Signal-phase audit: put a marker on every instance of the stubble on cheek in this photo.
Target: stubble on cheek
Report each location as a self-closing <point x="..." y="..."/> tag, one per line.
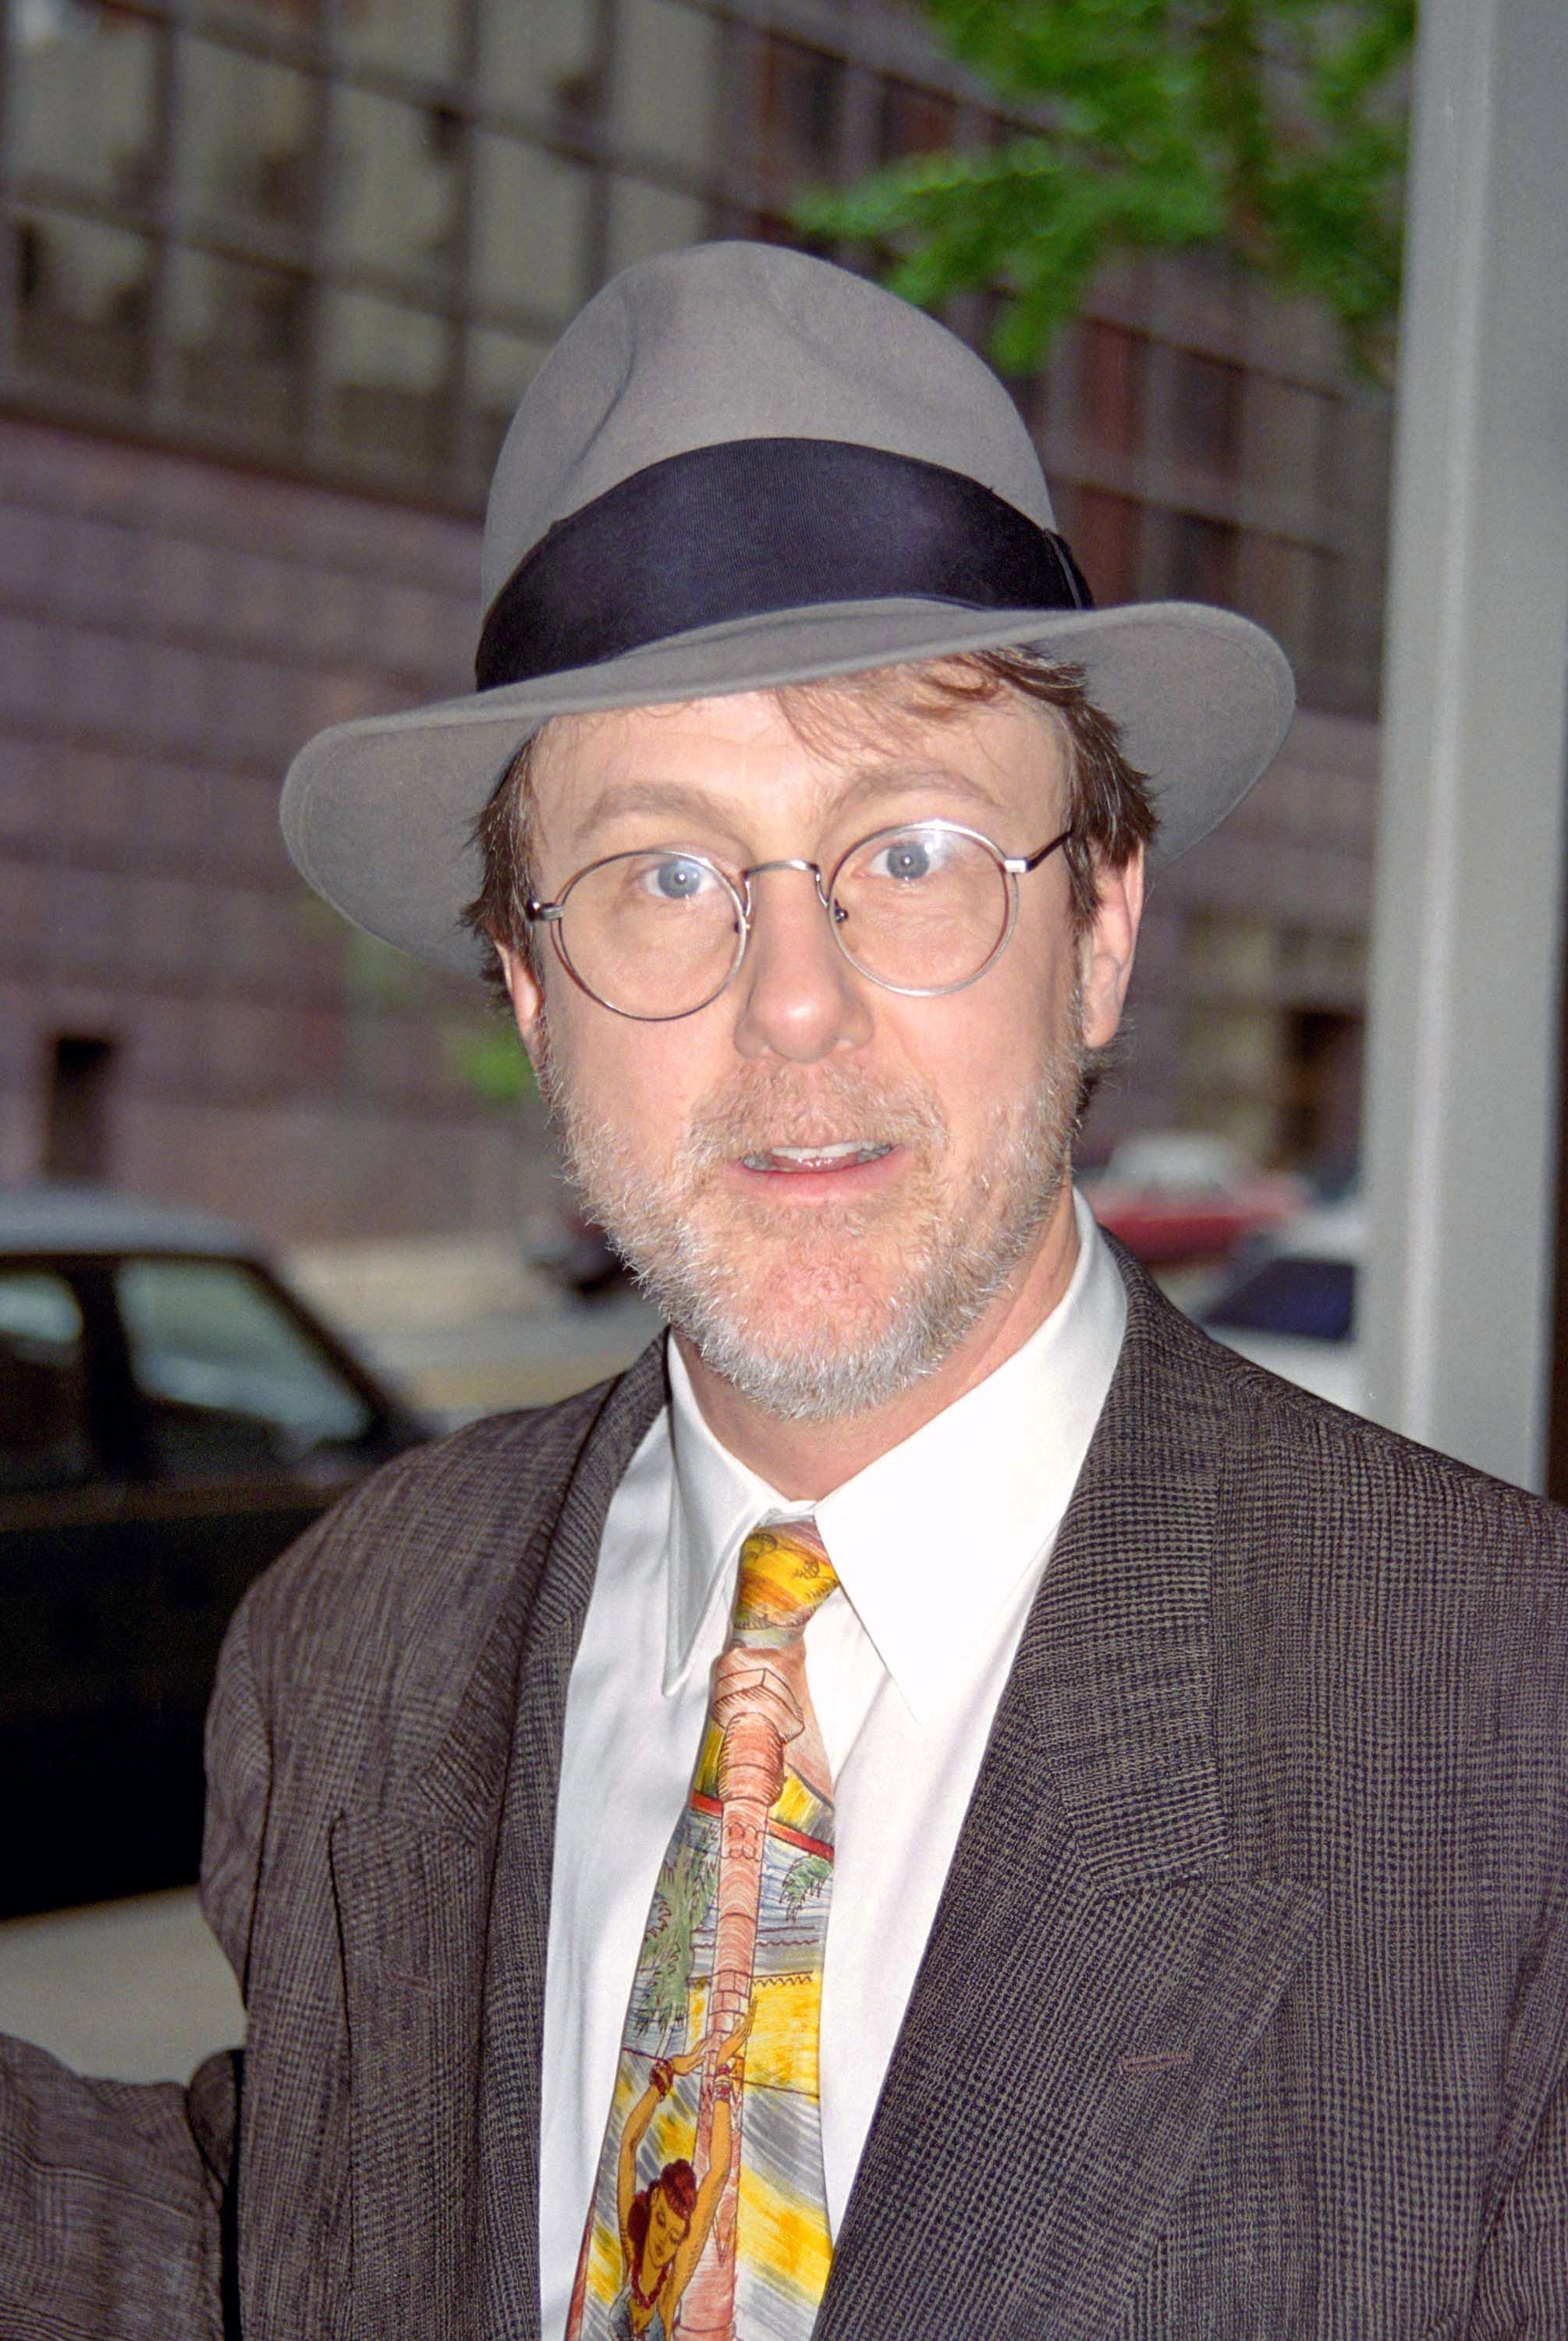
<point x="695" y="1206"/>
<point x="828" y="1311"/>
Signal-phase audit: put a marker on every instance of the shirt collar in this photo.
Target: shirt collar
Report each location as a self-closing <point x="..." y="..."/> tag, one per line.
<point x="984" y="1484"/>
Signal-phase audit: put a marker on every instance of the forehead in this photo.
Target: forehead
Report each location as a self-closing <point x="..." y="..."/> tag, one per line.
<point x="820" y="752"/>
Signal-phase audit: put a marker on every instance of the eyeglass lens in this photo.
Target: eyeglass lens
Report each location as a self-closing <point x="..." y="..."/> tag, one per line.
<point x="921" y="908"/>
<point x="651" y="934"/>
<point x="658" y="933"/>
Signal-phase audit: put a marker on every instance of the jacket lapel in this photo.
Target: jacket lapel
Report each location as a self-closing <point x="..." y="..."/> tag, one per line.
<point x="519" y="1916"/>
<point x="1099" y="1968"/>
<point x="442" y="1890"/>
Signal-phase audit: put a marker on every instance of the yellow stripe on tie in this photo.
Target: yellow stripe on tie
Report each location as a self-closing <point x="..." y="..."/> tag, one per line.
<point x="782" y="2051"/>
<point x="604" y="2274"/>
<point x="785" y="2233"/>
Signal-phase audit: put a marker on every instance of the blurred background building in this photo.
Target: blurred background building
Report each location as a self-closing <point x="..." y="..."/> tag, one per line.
<point x="272" y="277"/>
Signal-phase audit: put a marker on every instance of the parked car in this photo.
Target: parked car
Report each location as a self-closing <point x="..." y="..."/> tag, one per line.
<point x="1178" y="1195"/>
<point x="171" y="1417"/>
<point x="572" y="1248"/>
<point x="1290" y="1303"/>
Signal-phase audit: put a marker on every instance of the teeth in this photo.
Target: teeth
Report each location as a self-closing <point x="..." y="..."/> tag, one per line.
<point x="812" y="1158"/>
<point x="834" y="1153"/>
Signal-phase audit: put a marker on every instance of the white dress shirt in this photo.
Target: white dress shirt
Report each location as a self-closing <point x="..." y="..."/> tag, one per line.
<point x="938" y="1546"/>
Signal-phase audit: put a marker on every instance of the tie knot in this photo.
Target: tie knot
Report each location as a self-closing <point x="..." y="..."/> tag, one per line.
<point x="785" y="1576"/>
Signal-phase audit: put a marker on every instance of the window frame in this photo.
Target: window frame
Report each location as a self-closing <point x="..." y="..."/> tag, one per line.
<point x="118" y="1429"/>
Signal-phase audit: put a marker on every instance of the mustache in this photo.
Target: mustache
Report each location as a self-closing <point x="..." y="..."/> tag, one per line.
<point x="837" y="1102"/>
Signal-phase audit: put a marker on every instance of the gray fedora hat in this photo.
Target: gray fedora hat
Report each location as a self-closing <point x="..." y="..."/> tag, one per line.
<point x="739" y="467"/>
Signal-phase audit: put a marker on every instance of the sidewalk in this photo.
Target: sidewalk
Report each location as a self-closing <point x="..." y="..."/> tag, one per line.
<point x="137" y="1990"/>
<point x="465" y="1325"/>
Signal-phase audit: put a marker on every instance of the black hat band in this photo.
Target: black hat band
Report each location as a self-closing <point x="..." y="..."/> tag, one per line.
<point x="752" y="527"/>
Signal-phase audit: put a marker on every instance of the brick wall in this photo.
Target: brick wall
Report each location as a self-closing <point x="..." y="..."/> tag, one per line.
<point x="170" y="631"/>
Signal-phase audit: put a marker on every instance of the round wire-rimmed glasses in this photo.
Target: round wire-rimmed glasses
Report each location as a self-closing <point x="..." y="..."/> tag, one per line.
<point x="925" y="898"/>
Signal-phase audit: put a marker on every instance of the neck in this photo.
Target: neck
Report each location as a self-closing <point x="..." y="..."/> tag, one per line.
<point x="807" y="1460"/>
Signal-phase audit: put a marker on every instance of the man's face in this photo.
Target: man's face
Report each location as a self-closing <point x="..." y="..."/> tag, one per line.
<point x="926" y="1139"/>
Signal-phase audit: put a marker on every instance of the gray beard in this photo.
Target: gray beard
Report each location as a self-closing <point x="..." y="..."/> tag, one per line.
<point x="958" y="1252"/>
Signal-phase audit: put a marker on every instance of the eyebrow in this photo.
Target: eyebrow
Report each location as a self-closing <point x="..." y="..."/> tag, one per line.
<point x="930" y="779"/>
<point x="623" y="800"/>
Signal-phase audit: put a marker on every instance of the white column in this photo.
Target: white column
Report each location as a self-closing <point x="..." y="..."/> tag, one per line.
<point x="1467" y="948"/>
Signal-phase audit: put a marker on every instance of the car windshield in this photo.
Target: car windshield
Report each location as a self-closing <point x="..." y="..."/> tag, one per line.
<point x="1177" y="1166"/>
<point x="231" y="1380"/>
<point x="1297" y="1293"/>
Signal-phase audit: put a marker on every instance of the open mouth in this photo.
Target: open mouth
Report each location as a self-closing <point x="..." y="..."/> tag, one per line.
<point x="843" y="1154"/>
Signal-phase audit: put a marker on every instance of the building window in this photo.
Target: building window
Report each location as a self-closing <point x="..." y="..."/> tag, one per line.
<point x="798" y="110"/>
<point x="914" y="121"/>
<point x="339" y="238"/>
<point x="77" y="1125"/>
<point x="1320" y="1101"/>
<point x="1111" y="369"/>
<point x="1203" y="559"/>
<point x="1206" y="409"/>
<point x="1104" y="534"/>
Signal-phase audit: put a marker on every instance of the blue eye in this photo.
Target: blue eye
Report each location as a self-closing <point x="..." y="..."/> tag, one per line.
<point x="679" y="880"/>
<point x="909" y="858"/>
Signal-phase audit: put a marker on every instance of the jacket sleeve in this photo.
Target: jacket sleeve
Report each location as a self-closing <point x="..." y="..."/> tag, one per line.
<point x="1523" y="2291"/>
<point x="112" y="2193"/>
<point x="1521" y="2284"/>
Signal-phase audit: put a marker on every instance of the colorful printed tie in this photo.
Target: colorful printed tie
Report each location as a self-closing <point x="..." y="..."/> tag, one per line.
<point x="708" y="2217"/>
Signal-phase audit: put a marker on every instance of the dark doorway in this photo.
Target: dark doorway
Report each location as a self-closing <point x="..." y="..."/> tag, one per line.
<point x="77" y="1131"/>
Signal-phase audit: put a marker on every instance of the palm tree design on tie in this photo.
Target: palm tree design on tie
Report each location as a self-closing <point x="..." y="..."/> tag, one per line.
<point x="727" y="2239"/>
<point x="682" y="1899"/>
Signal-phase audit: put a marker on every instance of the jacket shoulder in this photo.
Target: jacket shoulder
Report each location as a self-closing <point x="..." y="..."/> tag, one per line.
<point x="1302" y="1477"/>
<point x="1387" y="1476"/>
<point x="1429" y="1567"/>
<point x="410" y="1568"/>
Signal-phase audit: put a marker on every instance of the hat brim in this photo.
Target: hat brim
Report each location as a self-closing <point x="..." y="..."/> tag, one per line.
<point x="379" y="813"/>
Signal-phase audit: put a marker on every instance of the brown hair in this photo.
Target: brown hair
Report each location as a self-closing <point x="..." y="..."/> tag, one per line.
<point x="678" y="2182"/>
<point x="1109" y="808"/>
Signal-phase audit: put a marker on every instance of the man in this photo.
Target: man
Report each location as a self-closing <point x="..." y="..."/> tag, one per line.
<point x="940" y="1803"/>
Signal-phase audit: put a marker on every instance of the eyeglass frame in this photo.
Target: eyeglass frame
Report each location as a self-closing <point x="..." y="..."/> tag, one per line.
<point x="1012" y="866"/>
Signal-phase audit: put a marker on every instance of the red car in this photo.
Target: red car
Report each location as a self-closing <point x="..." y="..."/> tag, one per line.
<point x="1180" y="1197"/>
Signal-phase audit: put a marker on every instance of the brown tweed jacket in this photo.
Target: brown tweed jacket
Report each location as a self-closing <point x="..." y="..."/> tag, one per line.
<point x="1243" y="2016"/>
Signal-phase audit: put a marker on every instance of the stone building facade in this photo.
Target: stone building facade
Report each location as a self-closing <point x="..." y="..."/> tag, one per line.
<point x="177" y="1012"/>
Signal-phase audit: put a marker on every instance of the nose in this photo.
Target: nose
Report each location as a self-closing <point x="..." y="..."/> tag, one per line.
<point x="800" y="998"/>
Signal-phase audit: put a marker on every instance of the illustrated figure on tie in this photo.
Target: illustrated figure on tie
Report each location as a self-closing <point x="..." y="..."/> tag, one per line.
<point x="730" y="2241"/>
<point x="664" y="2227"/>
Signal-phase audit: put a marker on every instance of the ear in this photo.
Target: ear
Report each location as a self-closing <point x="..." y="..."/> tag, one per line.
<point x="1105" y="949"/>
<point x="523" y="991"/>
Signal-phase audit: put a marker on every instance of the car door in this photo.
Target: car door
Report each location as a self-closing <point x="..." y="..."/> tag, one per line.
<point x="251" y="1424"/>
<point x="70" y="1593"/>
<point x="168" y="1424"/>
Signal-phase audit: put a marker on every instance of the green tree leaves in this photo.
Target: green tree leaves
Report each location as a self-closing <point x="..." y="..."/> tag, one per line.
<point x="1273" y="129"/>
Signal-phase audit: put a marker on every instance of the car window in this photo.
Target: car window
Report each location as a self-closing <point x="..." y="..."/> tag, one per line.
<point x="1309" y="1298"/>
<point x="43" y="1436"/>
<point x="1176" y="1165"/>
<point x="233" y="1383"/>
